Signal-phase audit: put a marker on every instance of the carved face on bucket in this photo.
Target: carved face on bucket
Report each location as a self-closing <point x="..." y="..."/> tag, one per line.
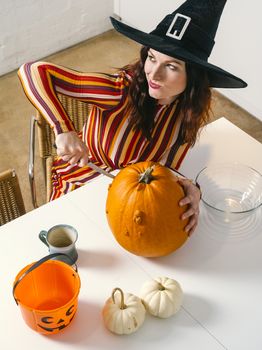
<point x="51" y="324"/>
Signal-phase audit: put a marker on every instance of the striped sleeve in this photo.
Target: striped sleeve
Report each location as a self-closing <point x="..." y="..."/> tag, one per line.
<point x="42" y="81"/>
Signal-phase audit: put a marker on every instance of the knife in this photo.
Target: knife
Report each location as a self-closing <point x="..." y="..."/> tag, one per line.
<point x="100" y="170"/>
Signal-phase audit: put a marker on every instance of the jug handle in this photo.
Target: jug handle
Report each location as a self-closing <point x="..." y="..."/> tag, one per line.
<point x="36" y="265"/>
<point x="42" y="237"/>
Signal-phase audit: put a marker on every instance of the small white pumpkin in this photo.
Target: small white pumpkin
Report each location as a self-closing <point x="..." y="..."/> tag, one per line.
<point x="162" y="296"/>
<point x="123" y="313"/>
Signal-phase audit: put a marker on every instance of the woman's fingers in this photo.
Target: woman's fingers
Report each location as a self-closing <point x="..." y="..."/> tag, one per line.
<point x="75" y="159"/>
<point x="65" y="157"/>
<point x="192" y="198"/>
<point x="188" y="213"/>
<point x="84" y="160"/>
<point x="193" y="215"/>
<point x="191" y="228"/>
<point x="71" y="148"/>
<point x="78" y="158"/>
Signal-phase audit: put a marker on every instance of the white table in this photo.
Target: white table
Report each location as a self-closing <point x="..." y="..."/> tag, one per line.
<point x="219" y="268"/>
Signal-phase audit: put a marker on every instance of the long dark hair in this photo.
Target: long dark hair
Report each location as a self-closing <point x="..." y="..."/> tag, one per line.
<point x="193" y="104"/>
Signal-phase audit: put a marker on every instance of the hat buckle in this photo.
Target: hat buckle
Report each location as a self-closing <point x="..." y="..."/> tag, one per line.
<point x="175" y="33"/>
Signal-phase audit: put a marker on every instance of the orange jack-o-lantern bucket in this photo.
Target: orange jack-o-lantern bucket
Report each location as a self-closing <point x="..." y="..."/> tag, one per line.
<point x="47" y="294"/>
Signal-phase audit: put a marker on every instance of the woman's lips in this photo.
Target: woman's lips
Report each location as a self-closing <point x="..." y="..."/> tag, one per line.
<point x="153" y="85"/>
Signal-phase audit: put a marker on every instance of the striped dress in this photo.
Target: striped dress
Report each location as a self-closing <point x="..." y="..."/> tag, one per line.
<point x="111" y="141"/>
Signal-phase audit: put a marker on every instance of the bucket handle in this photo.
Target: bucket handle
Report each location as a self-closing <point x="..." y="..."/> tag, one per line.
<point x="36" y="265"/>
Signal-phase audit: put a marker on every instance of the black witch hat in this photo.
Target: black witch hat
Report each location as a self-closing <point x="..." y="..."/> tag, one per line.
<point x="188" y="34"/>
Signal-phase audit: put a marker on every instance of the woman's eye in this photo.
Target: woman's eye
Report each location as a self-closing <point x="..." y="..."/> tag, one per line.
<point x="172" y="67"/>
<point x="151" y="58"/>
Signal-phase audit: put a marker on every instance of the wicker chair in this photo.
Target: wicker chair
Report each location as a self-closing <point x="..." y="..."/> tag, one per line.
<point x="78" y="112"/>
<point x="11" y="200"/>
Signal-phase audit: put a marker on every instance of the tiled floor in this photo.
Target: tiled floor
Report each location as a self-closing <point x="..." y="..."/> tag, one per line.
<point x="102" y="53"/>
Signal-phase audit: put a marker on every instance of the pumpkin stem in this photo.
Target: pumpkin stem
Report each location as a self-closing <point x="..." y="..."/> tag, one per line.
<point x="161" y="287"/>
<point x="146" y="177"/>
<point x="122" y="303"/>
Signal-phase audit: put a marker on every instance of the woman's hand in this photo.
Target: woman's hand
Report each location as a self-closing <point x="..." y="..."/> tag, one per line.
<point x="192" y="198"/>
<point x="71" y="148"/>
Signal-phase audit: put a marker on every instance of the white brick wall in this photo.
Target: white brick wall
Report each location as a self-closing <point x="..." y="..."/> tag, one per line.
<point x="33" y="29"/>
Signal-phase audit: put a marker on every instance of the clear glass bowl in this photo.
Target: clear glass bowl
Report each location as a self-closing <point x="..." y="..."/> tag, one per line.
<point x="232" y="191"/>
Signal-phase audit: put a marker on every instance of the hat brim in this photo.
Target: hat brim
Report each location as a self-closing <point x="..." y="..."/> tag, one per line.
<point x="218" y="77"/>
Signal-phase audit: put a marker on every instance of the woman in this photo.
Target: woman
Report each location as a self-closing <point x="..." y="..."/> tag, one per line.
<point x="151" y="110"/>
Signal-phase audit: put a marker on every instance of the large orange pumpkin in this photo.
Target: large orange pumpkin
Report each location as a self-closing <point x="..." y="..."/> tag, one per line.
<point x="143" y="211"/>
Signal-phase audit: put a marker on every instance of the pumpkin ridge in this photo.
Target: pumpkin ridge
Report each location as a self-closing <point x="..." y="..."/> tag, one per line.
<point x="163" y="304"/>
<point x="169" y="296"/>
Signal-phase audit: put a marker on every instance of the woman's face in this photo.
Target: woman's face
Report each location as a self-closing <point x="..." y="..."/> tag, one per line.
<point x="166" y="76"/>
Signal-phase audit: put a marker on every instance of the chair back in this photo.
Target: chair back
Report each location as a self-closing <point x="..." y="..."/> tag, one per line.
<point x="77" y="111"/>
<point x="11" y="200"/>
